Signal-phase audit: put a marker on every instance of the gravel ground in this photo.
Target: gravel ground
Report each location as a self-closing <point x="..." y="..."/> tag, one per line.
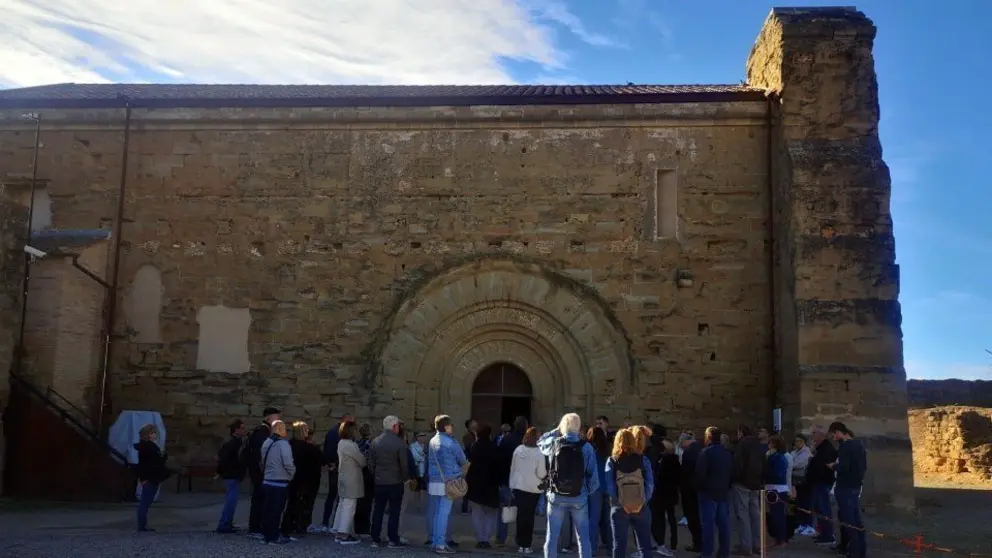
<point x="178" y="545"/>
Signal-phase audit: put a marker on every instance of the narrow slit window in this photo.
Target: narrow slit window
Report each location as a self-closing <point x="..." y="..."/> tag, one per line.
<point x="666" y="204"/>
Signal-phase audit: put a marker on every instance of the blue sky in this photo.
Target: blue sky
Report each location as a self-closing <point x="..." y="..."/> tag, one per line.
<point x="934" y="81"/>
<point x="931" y="62"/>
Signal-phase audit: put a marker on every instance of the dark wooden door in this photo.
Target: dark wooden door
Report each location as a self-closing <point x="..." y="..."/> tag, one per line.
<point x="500" y="393"/>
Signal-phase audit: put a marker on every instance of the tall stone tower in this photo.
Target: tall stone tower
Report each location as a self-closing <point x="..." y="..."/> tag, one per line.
<point x="838" y="321"/>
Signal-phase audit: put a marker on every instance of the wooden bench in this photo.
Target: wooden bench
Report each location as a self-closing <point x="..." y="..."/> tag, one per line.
<point x="195" y="469"/>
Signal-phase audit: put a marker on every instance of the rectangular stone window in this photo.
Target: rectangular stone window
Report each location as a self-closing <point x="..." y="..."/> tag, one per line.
<point x="663" y="211"/>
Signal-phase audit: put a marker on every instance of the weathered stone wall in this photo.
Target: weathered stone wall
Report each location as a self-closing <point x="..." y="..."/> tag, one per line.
<point x="64" y="325"/>
<point x="13" y="222"/>
<point x="351" y="235"/>
<point x="838" y="316"/>
<point x="938" y="393"/>
<point x="952" y="443"/>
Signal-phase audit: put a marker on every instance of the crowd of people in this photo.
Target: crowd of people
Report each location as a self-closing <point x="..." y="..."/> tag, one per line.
<point x="594" y="485"/>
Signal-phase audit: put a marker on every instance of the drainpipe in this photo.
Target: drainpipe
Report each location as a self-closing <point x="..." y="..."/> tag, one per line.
<point x="111" y="315"/>
<point x="88" y="273"/>
<point x="26" y="282"/>
<point x="773" y="284"/>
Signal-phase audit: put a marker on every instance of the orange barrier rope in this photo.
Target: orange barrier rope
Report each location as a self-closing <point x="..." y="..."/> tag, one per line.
<point x="917" y="543"/>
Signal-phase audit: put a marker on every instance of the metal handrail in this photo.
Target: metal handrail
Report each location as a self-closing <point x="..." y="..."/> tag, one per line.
<point x="66" y="416"/>
<point x="51" y="392"/>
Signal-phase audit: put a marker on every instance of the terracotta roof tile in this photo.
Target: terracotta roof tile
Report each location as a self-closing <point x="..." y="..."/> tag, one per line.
<point x="80" y="94"/>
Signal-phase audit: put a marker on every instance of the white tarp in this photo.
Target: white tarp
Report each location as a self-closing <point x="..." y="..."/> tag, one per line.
<point x="124" y="434"/>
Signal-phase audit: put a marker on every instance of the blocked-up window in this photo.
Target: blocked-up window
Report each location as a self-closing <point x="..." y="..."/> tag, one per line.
<point x="223" y="339"/>
<point x="143" y="305"/>
<point x="666" y="202"/>
<point x="41" y="219"/>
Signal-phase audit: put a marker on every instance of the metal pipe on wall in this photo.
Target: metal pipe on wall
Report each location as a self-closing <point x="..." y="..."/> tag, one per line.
<point x="112" y="293"/>
<point x="26" y="281"/>
<point x="773" y="284"/>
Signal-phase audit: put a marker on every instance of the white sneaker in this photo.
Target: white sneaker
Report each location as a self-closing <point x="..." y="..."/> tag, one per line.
<point x="809" y="531"/>
<point x="637" y="554"/>
<point x="665" y="552"/>
<point x="683" y="521"/>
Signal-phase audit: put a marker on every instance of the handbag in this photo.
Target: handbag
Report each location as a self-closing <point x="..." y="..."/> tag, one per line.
<point x="453" y="488"/>
<point x="509" y="514"/>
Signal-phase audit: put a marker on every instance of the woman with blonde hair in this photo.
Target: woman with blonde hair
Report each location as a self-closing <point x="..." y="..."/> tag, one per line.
<point x="572" y="478"/>
<point x="278" y="469"/>
<point x="151" y="471"/>
<point x="630" y="484"/>
<point x="309" y="460"/>
<point x="351" y="485"/>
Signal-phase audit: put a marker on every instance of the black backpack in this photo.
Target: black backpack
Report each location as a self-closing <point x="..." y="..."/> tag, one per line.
<point x="568" y="468"/>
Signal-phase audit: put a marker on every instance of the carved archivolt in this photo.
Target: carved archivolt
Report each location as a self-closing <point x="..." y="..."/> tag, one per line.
<point x="503" y="311"/>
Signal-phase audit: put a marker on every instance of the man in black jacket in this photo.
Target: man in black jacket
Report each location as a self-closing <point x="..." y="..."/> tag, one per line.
<point x="231" y="468"/>
<point x="820" y="477"/>
<point x="331" y="440"/>
<point x="507" y="445"/>
<point x="713" y="477"/>
<point x="850" y="469"/>
<point x="252" y="458"/>
<point x="749" y="465"/>
<point x="690" y="498"/>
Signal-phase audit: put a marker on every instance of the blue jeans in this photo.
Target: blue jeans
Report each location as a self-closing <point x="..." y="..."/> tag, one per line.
<point x="824" y="513"/>
<point x="715" y="515"/>
<point x="232" y="490"/>
<point x="778" y="517"/>
<point x="595" y="515"/>
<point x="275" y="503"/>
<point x="505" y="497"/>
<point x="849" y="513"/>
<point x="391" y="494"/>
<point x="542" y="505"/>
<point x="148" y="491"/>
<point x="621" y="522"/>
<point x="438" y="512"/>
<point x="577" y="509"/>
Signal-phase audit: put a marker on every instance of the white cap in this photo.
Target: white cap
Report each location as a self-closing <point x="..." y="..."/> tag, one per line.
<point x="389" y="422"/>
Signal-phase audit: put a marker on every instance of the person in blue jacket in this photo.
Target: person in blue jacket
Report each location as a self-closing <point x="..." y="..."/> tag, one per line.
<point x="777" y="486"/>
<point x="630" y="485"/>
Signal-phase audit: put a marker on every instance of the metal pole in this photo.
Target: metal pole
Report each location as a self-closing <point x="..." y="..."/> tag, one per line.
<point x="764" y="543"/>
<point x="26" y="281"/>
<point x="114" y="282"/>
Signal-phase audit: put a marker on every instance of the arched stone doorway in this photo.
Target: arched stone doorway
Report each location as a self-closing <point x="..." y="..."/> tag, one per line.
<point x="501" y="393"/>
<point x="496" y="311"/>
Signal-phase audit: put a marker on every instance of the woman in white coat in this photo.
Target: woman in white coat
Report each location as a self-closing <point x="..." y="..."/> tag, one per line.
<point x="528" y="472"/>
<point x="351" y="488"/>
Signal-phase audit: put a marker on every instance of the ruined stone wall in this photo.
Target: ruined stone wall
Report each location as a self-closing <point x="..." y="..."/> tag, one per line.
<point x="952" y="443"/>
<point x="938" y="393"/>
<point x="838" y="320"/>
<point x="293" y="238"/>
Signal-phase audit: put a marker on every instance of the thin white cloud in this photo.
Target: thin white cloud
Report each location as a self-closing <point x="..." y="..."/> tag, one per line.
<point x="557" y="11"/>
<point x="293" y="41"/>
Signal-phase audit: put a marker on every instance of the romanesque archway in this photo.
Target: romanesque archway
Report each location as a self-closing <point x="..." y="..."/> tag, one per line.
<point x="501" y="311"/>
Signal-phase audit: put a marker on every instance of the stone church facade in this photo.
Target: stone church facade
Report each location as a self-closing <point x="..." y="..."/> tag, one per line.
<point x="690" y="255"/>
